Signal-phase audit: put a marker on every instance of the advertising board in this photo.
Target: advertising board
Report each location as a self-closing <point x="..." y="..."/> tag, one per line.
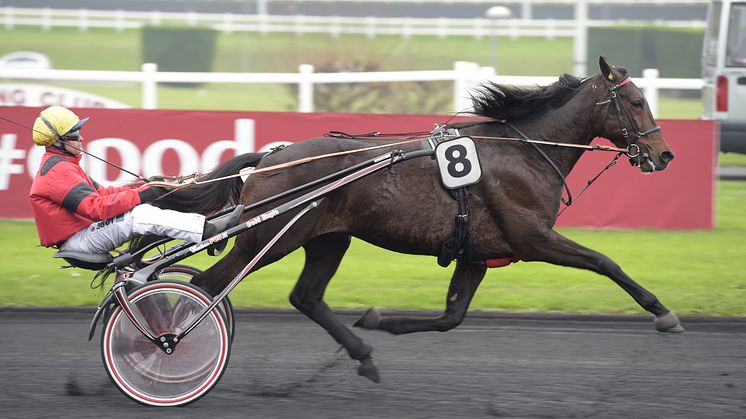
<point x="175" y="142"/>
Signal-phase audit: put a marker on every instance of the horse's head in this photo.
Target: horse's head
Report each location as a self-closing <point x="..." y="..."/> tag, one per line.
<point x="626" y="119"/>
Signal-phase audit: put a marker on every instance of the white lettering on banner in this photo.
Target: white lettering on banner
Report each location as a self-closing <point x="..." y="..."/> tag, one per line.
<point x="153" y="157"/>
<point x="12" y="97"/>
<point x="244" y="143"/>
<point x="148" y="162"/>
<point x="34" y="159"/>
<point x="13" y="94"/>
<point x="9" y="153"/>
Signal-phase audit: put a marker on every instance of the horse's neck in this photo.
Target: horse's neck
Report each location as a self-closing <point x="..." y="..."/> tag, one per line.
<point x="569" y="124"/>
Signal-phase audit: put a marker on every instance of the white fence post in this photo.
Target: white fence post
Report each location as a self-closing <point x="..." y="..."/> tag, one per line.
<point x="83" y="20"/>
<point x="580" y="46"/>
<point x="263" y="23"/>
<point x="227" y="23"/>
<point x="155" y="17"/>
<point x="119" y="20"/>
<point x="442" y="27"/>
<point x="9" y="19"/>
<point x="466" y="74"/>
<point x="371" y="27"/>
<point x="305" y="88"/>
<point x="651" y="89"/>
<point x="149" y="86"/>
<point x="478" y="28"/>
<point x="407" y="29"/>
<point x="299" y="25"/>
<point x="551" y="30"/>
<point x="514" y="30"/>
<point x="46" y="19"/>
<point x="335" y="28"/>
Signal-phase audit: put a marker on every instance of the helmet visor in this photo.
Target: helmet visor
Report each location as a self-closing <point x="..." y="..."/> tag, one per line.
<point x="75" y="128"/>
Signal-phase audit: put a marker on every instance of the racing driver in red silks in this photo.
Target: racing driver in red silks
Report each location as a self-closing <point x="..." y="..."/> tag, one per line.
<point x="69" y="206"/>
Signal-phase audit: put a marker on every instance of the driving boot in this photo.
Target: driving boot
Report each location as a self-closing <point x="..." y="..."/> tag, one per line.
<point x="218" y="225"/>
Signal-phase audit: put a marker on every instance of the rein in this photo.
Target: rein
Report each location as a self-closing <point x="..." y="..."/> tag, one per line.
<point x="551" y="162"/>
<point x="194" y="178"/>
<point x="415" y="136"/>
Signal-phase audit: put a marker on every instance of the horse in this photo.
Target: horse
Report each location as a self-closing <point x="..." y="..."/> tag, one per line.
<point x="511" y="210"/>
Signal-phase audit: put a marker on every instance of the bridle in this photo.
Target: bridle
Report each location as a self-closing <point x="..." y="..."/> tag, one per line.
<point x="621" y="115"/>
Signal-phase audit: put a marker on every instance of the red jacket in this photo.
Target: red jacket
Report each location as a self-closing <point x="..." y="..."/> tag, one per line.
<point x="65" y="200"/>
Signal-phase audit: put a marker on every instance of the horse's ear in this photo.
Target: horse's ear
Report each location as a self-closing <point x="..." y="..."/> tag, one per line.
<point x="605" y="68"/>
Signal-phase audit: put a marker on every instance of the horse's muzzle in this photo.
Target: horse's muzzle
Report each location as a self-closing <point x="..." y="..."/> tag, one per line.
<point x="650" y="163"/>
<point x="666" y="157"/>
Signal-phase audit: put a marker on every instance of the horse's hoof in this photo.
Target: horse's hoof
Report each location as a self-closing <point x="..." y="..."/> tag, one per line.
<point x="369" y="370"/>
<point x="668" y="323"/>
<point x="369" y="320"/>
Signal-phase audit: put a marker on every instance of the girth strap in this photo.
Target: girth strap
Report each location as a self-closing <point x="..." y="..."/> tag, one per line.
<point x="456" y="246"/>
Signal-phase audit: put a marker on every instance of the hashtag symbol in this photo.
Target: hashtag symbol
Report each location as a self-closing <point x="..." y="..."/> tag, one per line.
<point x="9" y="153"/>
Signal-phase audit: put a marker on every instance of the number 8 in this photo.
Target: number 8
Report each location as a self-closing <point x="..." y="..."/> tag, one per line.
<point x="456" y="154"/>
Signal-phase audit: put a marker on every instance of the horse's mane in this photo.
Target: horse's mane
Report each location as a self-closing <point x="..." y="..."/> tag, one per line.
<point x="512" y="103"/>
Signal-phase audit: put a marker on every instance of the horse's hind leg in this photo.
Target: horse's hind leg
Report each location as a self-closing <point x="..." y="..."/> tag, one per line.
<point x="559" y="250"/>
<point x="219" y="275"/>
<point x="323" y="255"/>
<point x="464" y="283"/>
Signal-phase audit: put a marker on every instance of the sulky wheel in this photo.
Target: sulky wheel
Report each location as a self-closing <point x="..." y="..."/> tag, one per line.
<point x="146" y="373"/>
<point x="185" y="273"/>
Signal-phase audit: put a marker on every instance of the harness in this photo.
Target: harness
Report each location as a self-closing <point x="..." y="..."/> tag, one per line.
<point x="614" y="99"/>
<point x="457" y="245"/>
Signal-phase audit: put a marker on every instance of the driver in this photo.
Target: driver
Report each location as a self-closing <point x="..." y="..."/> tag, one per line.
<point x="74" y="213"/>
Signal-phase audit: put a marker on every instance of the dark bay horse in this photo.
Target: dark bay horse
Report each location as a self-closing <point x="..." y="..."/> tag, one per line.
<point x="512" y="210"/>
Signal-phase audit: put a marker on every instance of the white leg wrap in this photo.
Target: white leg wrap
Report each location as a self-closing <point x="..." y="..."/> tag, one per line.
<point x="147" y="219"/>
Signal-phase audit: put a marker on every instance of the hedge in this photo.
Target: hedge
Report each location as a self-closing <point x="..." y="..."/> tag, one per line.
<point x="676" y="53"/>
<point x="178" y="49"/>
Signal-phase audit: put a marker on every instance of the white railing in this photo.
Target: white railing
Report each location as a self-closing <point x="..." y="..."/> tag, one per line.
<point x="464" y="75"/>
<point x="84" y="19"/>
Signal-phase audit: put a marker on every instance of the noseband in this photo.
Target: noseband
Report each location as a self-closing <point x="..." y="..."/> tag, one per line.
<point x="614" y="98"/>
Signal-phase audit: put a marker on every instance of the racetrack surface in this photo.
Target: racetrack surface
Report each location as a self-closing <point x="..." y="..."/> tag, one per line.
<point x="284" y="366"/>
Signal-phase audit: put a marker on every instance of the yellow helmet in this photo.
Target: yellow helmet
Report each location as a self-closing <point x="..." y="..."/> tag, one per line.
<point x="54" y="123"/>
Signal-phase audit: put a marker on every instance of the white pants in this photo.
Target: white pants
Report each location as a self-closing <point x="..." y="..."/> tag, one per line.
<point x="104" y="236"/>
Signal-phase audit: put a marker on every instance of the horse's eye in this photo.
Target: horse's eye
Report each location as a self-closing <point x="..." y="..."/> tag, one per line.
<point x="637" y="103"/>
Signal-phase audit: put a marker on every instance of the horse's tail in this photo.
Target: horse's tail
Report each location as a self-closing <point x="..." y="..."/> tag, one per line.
<point x="210" y="197"/>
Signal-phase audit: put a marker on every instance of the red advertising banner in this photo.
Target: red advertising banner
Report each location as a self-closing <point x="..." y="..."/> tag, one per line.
<point x="183" y="142"/>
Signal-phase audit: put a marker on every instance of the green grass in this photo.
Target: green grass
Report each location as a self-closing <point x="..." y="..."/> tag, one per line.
<point x="692" y="272"/>
<point x="732" y="159"/>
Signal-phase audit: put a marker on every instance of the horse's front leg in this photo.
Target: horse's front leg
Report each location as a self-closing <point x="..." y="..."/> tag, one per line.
<point x="559" y="250"/>
<point x="323" y="255"/>
<point x="464" y="283"/>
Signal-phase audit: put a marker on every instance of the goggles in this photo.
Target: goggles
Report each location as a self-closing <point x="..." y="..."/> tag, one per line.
<point x="72" y="136"/>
